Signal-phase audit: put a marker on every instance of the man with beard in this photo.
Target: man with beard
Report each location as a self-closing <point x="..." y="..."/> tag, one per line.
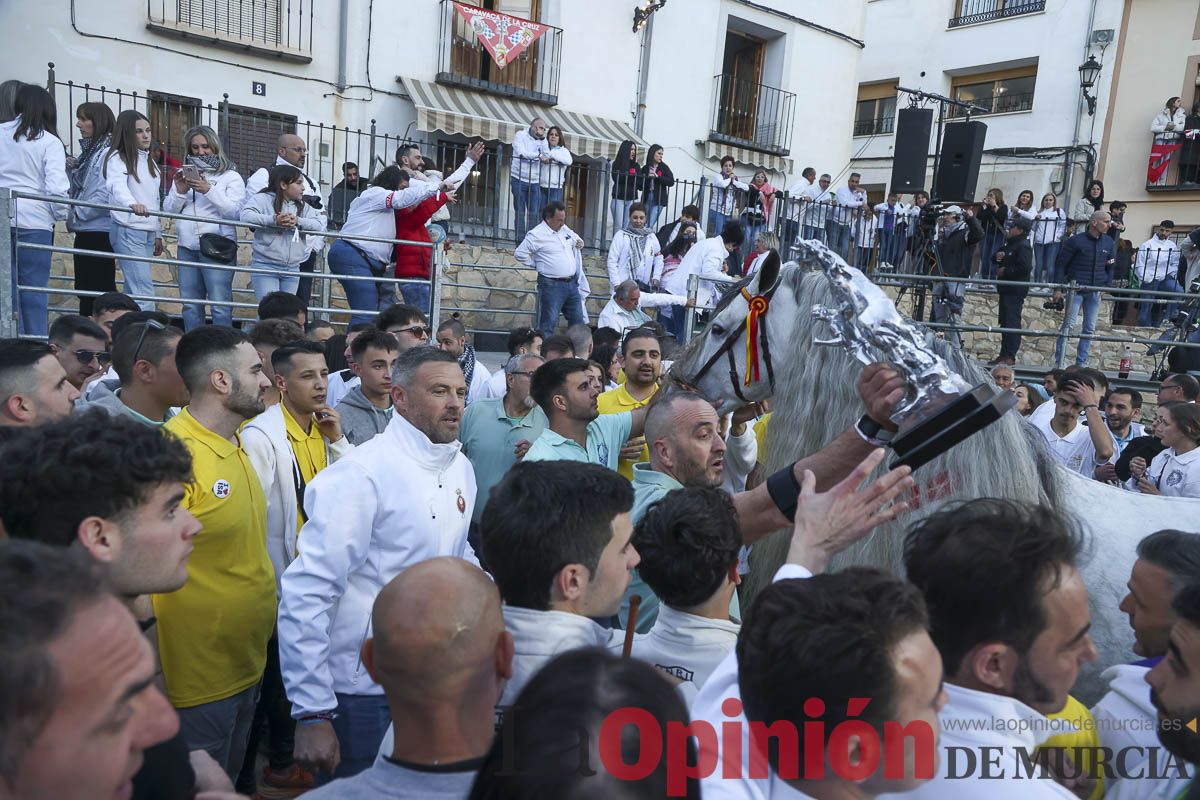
<point x="1009" y="614"/>
<point x="212" y="633"/>
<point x="1121" y="408"/>
<point x="1175" y="693"/>
<point x="452" y="337"/>
<point x="403" y="497"/>
<point x="641" y="357"/>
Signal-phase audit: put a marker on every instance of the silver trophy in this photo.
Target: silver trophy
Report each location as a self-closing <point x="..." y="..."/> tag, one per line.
<point x="939" y="409"/>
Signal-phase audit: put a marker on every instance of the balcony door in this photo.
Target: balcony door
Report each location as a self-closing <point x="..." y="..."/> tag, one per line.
<point x="472" y="61"/>
<point x="742" y="76"/>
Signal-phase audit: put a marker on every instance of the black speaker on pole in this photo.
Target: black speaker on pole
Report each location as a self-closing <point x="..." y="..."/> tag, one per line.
<point x="958" y="168"/>
<point x="911" y="153"/>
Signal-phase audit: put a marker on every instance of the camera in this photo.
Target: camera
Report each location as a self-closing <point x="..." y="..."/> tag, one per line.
<point x="312" y="200"/>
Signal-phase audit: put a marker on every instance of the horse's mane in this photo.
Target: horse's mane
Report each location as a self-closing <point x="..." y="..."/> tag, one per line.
<point x="816" y="399"/>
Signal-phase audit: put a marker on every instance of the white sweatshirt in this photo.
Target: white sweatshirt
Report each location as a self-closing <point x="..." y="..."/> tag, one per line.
<point x="373" y="213"/>
<point x="38" y="166"/>
<point x="124" y="189"/>
<point x="222" y="202"/>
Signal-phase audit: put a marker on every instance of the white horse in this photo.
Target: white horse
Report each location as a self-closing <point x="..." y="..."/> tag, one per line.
<point x="814" y="400"/>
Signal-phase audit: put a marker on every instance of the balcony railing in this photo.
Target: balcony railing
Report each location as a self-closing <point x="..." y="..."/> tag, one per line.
<point x="972" y="11"/>
<point x="999" y="104"/>
<point x="282" y="29"/>
<point x="874" y="127"/>
<point x="1174" y="164"/>
<point x="463" y="61"/>
<point x="752" y="115"/>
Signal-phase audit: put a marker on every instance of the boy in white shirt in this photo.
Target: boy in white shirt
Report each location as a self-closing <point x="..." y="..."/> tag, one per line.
<point x="1079" y="447"/>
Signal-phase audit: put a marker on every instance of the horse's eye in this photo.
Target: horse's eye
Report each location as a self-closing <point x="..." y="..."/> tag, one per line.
<point x="717" y="329"/>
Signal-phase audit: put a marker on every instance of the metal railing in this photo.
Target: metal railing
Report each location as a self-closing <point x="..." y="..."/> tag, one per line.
<point x="874" y="127"/>
<point x="284" y="28"/>
<point x="463" y="61"/>
<point x="1174" y="162"/>
<point x="1004" y="103"/>
<point x="968" y="12"/>
<point x="754" y="115"/>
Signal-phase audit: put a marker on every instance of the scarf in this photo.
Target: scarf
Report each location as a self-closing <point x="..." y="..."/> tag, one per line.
<point x="89" y="149"/>
<point x="467" y="362"/>
<point x="210" y="163"/>
<point x="637" y="249"/>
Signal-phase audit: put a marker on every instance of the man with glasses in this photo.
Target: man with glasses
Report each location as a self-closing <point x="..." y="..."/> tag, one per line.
<point x="81" y="346"/>
<point x="520" y="342"/>
<point x="290" y="149"/>
<point x="407" y="324"/>
<point x="1178" y="387"/>
<point x="150" y="387"/>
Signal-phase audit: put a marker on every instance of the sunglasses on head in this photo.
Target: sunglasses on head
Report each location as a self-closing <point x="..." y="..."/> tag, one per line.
<point x="86" y="356"/>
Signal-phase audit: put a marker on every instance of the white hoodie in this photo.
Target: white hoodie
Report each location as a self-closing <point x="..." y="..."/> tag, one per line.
<point x="222" y="201"/>
<point x="37" y="166"/>
<point x="686" y="646"/>
<point x="125" y="190"/>
<point x="394" y="501"/>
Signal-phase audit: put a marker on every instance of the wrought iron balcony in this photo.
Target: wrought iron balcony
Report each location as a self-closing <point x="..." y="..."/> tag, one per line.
<point x="874" y="127"/>
<point x="752" y="115"/>
<point x="281" y="29"/>
<point x="464" y="61"/>
<point x="999" y="104"/>
<point x="972" y="11"/>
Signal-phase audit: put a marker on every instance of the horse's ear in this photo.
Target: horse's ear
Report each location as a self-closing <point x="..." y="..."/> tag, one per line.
<point x="768" y="273"/>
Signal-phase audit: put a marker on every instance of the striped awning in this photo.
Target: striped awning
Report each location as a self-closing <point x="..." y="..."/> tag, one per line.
<point x="490" y="117"/>
<point x="744" y="155"/>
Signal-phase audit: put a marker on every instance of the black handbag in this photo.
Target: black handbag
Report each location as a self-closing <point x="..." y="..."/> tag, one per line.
<point x="216" y="247"/>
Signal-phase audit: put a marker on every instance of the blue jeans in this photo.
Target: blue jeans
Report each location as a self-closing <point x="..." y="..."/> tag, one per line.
<point x="839" y="239"/>
<point x="862" y="257"/>
<point x="1044" y="256"/>
<point x="716" y="222"/>
<point x="133" y="242"/>
<point x="527" y="206"/>
<point x="890" y="246"/>
<point x="550" y="195"/>
<point x="558" y="296"/>
<point x="285" y="279"/>
<point x="814" y="233"/>
<point x="1091" y="310"/>
<point x="360" y="724"/>
<point x="1167" y="284"/>
<point x="620" y="213"/>
<point x="198" y="283"/>
<point x="653" y="212"/>
<point x="360" y="295"/>
<point x="417" y="294"/>
<point x="33" y="269"/>
<point x="988" y="247"/>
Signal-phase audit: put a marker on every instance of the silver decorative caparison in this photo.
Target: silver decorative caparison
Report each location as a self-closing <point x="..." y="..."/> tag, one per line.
<point x="865" y="321"/>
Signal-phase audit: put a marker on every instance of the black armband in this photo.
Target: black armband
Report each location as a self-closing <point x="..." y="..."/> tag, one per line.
<point x="785" y="491"/>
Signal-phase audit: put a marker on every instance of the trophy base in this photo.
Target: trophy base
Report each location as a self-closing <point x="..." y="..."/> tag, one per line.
<point x="969" y="414"/>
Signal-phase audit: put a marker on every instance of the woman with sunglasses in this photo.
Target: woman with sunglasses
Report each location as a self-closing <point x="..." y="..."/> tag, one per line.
<point x="1175" y="472"/>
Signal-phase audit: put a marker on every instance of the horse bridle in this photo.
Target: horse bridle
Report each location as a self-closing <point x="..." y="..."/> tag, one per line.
<point x="756" y="321"/>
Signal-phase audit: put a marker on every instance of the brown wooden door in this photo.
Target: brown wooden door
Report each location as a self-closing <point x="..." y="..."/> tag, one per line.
<point x="743" y="68"/>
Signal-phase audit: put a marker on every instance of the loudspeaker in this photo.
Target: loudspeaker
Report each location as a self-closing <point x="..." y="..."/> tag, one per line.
<point x="911" y="154"/>
<point x="958" y="170"/>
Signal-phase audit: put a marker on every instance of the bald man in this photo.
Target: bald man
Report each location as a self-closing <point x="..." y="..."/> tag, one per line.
<point x="291" y="149"/>
<point x="443" y="656"/>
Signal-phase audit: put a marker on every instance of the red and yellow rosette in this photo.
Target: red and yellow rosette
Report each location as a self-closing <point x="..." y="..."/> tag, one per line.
<point x="758" y="309"/>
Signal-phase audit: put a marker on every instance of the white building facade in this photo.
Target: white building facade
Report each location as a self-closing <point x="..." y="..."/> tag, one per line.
<point x="356" y="79"/>
<point x="1018" y="59"/>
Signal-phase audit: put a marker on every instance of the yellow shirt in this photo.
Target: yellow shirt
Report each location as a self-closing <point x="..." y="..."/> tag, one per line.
<point x="311" y="454"/>
<point x="614" y="401"/>
<point x="1086" y="738"/>
<point x="212" y="633"/>
<point x="760" y="435"/>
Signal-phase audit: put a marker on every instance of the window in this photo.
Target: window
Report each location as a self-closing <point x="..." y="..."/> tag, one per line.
<point x="997" y="92"/>
<point x="252" y="136"/>
<point x="532" y="73"/>
<point x="281" y="28"/>
<point x="876" y="110"/>
<point x="170" y="117"/>
<point x="968" y="12"/>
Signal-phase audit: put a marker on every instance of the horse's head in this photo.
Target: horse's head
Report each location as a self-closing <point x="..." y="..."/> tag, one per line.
<point x="750" y="326"/>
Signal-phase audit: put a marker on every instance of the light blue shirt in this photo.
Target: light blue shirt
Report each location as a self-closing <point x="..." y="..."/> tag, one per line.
<point x="606" y="434"/>
<point x="488" y="437"/>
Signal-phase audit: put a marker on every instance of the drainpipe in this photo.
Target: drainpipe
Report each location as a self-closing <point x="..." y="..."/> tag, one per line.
<point x="343" y="40"/>
<point x="1068" y="170"/>
<point x="639" y="120"/>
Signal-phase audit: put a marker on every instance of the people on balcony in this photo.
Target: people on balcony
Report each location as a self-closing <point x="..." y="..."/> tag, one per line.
<point x="132" y="180"/>
<point x="657" y="180"/>
<point x="993" y="216"/>
<point x="626" y="183"/>
<point x="207" y="186"/>
<point x="725" y="187"/>
<point x="286" y="223"/>
<point x="793" y="203"/>
<point x="866" y="236"/>
<point x="95" y="123"/>
<point x="1189" y="155"/>
<point x="530" y="152"/>
<point x="890" y="223"/>
<point x="1157" y="269"/>
<point x="552" y="173"/>
<point x="848" y="200"/>
<point x="756" y="216"/>
<point x="32" y="159"/>
<point x="1091" y="202"/>
<point x="1022" y="208"/>
<point x="1167" y="127"/>
<point x="1049" y="229"/>
<point x="816" y="202"/>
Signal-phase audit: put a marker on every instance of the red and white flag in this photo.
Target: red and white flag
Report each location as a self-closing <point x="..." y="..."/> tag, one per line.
<point x="504" y="37"/>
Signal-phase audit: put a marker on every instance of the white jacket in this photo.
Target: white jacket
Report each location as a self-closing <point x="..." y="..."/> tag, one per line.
<point x="553" y="174"/>
<point x="526" y="164"/>
<point x="1049" y="226"/>
<point x="1156" y="259"/>
<point x="37" y="166"/>
<point x="1164" y="117"/>
<point x="222" y="201"/>
<point x="373" y="213"/>
<point x="395" y="501"/>
<point x="124" y="190"/>
<point x="686" y="646"/>
<point x="539" y="636"/>
<point x="622" y="251"/>
<point x="266" y="442"/>
<point x="706" y="259"/>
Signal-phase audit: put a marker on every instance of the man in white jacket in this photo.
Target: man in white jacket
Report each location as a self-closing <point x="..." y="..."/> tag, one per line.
<point x="529" y="152"/>
<point x="706" y="259"/>
<point x="1157" y="269"/>
<point x="403" y="497"/>
<point x="1125" y="717"/>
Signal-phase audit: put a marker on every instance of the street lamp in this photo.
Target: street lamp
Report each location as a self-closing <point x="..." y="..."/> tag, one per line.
<point x="642" y="15"/>
<point x="1089" y="71"/>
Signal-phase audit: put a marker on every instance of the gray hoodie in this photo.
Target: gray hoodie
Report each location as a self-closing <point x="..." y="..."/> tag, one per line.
<point x="361" y="420"/>
<point x="106" y="397"/>
<point x="275" y="245"/>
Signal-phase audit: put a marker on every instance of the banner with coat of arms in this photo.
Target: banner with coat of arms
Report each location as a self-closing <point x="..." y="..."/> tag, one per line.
<point x="504" y="37"/>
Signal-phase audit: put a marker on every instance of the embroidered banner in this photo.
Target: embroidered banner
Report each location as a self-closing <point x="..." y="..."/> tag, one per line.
<point x="504" y="37"/>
